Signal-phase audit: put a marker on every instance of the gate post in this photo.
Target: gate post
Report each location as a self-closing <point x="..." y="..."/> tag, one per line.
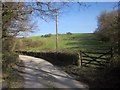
<point x="80" y="59"/>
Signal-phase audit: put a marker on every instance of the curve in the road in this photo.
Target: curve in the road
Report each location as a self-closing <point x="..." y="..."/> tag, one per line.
<point x="39" y="73"/>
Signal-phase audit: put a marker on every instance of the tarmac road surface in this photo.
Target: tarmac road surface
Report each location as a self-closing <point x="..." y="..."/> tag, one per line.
<point x="39" y="73"/>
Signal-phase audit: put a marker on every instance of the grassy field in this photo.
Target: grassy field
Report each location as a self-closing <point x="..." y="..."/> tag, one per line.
<point x="74" y="42"/>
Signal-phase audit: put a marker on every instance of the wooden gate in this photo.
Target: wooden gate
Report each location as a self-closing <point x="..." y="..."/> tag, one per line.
<point x="95" y="58"/>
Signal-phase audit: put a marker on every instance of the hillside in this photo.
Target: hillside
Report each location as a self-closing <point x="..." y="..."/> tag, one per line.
<point x="74" y="42"/>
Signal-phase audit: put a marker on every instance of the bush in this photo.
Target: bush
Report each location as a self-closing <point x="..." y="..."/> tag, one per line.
<point x="28" y="43"/>
<point x="47" y="35"/>
<point x="8" y="60"/>
<point x="69" y="33"/>
<point x="115" y="64"/>
<point x="9" y="75"/>
<point x="42" y="36"/>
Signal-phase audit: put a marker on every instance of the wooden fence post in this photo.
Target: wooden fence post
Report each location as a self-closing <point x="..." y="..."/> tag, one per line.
<point x="79" y="60"/>
<point x="80" y="57"/>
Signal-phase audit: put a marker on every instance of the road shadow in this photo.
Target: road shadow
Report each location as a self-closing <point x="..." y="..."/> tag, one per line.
<point x="41" y="71"/>
<point x="49" y="76"/>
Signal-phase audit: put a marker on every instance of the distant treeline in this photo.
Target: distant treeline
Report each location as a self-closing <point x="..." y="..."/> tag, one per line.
<point x="49" y="35"/>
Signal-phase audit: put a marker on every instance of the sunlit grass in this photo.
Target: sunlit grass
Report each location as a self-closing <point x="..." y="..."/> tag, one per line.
<point x="74" y="42"/>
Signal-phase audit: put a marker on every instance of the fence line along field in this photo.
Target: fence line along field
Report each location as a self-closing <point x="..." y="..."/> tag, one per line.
<point x="67" y="42"/>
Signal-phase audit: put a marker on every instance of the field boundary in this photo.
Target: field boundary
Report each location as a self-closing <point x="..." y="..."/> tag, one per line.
<point x="95" y="58"/>
<point x="60" y="58"/>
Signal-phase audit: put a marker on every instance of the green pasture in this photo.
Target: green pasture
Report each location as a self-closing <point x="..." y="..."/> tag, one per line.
<point x="74" y="42"/>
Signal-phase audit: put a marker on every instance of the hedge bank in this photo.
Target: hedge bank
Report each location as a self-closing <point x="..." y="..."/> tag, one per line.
<point x="60" y="58"/>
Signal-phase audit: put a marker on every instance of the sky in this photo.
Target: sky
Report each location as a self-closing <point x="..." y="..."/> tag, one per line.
<point x="74" y="19"/>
